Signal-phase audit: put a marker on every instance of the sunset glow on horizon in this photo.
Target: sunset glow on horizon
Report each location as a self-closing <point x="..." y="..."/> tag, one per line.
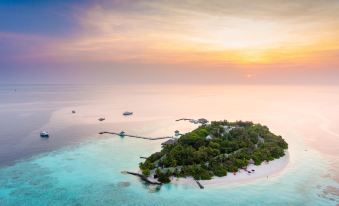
<point x="237" y="35"/>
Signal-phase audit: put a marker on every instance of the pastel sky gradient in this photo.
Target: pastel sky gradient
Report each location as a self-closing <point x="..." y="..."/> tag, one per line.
<point x="170" y="41"/>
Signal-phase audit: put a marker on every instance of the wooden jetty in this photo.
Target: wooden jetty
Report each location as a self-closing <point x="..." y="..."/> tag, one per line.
<point x="183" y="119"/>
<point x="135" y="136"/>
<point x="199" y="184"/>
<point x="143" y="178"/>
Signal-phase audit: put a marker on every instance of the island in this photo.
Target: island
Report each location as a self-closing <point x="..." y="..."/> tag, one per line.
<point x="214" y="149"/>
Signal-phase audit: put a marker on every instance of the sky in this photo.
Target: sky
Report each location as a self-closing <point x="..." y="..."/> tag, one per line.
<point x="169" y="41"/>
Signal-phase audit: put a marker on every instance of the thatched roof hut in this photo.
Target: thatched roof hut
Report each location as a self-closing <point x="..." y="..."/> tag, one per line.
<point x="251" y="162"/>
<point x="170" y="142"/>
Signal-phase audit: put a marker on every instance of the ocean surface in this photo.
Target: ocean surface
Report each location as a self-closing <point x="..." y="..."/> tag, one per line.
<point x="78" y="166"/>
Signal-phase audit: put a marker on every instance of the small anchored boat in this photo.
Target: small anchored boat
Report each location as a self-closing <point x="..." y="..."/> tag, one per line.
<point x="44" y="134"/>
<point x="127" y="113"/>
<point x="101" y="119"/>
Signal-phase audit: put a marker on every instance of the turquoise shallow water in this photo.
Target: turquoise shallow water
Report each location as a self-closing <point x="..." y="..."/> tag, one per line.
<point x="90" y="174"/>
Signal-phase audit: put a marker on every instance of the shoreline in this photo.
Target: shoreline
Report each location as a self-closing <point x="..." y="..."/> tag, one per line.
<point x="263" y="171"/>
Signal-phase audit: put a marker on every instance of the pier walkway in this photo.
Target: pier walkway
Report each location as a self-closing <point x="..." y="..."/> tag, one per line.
<point x="142" y="177"/>
<point x="135" y="136"/>
<point x="199" y="184"/>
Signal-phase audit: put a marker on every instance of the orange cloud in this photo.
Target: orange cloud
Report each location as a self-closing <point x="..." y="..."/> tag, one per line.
<point x="168" y="33"/>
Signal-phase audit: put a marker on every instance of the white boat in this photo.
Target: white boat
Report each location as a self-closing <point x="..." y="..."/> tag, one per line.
<point x="44" y="134"/>
<point x="127" y="113"/>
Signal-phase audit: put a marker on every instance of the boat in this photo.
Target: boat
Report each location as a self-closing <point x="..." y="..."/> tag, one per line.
<point x="73" y="111"/>
<point x="44" y="134"/>
<point x="122" y="134"/>
<point x="127" y="113"/>
<point x="101" y="119"/>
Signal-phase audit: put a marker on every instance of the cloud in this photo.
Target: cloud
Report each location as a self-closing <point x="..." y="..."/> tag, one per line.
<point x="232" y="38"/>
<point x="235" y="32"/>
<point x="19" y="47"/>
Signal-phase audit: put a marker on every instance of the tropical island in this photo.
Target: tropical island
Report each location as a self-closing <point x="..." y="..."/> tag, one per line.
<point x="214" y="149"/>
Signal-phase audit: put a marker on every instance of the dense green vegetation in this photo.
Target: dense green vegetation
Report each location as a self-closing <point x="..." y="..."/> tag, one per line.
<point x="214" y="150"/>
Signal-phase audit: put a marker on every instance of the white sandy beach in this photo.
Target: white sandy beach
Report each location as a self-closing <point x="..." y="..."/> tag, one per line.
<point x="265" y="170"/>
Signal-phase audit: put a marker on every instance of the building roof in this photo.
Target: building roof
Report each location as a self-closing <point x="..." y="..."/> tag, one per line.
<point x="203" y="121"/>
<point x="170" y="142"/>
<point x="251" y="161"/>
<point x="209" y="137"/>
